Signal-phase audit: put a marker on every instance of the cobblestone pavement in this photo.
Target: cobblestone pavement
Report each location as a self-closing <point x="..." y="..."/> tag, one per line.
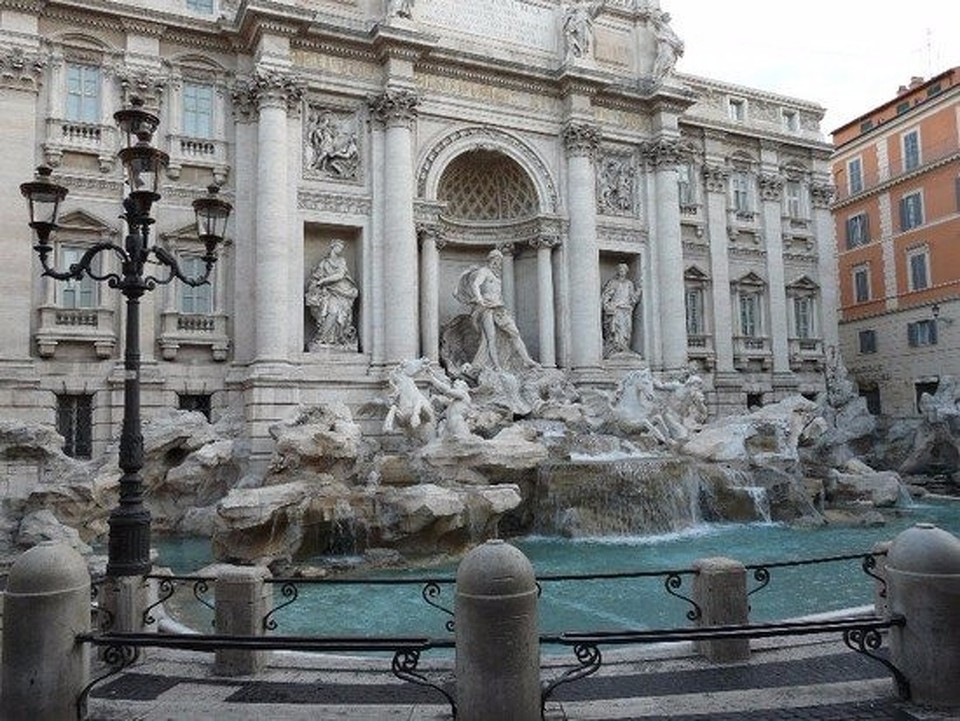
<point x="818" y="680"/>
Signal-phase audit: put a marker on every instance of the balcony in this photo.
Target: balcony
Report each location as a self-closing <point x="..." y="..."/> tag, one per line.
<point x="92" y="327"/>
<point x="179" y="330"/>
<point x="700" y="351"/>
<point x="806" y="354"/>
<point x="68" y="136"/>
<point x="752" y="353"/>
<point x="197" y="153"/>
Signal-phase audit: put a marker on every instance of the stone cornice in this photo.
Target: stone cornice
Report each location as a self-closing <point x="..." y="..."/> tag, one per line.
<point x="489" y="77"/>
<point x="143" y="27"/>
<point x="30" y="7"/>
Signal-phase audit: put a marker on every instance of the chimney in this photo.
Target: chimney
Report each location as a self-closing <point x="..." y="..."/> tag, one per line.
<point x="916" y="81"/>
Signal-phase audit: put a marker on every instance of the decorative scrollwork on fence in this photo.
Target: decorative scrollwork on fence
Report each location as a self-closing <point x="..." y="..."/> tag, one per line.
<point x="761" y="575"/>
<point x="672" y="583"/>
<point x="116" y="657"/>
<point x="289" y="591"/>
<point x="431" y="590"/>
<point x="869" y="565"/>
<point x="404" y="667"/>
<point x="589" y="659"/>
<point x="165" y="590"/>
<point x="200" y="589"/>
<point x="868" y="640"/>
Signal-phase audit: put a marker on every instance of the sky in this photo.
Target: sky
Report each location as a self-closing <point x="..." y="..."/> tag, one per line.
<point x="847" y="55"/>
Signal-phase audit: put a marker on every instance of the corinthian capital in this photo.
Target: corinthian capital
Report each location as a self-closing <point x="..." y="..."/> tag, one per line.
<point x="663" y="152"/>
<point x="265" y="88"/>
<point x="581" y="139"/>
<point x="771" y="186"/>
<point x="396" y="106"/>
<point x="715" y="178"/>
<point x="20" y="70"/>
<point x="822" y="194"/>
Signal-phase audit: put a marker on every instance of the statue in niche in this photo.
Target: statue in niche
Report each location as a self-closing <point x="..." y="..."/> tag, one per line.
<point x="616" y="185"/>
<point x="400" y="9"/>
<point x="333" y="147"/>
<point x="618" y="299"/>
<point x="578" y="26"/>
<point x="669" y="47"/>
<point x="501" y="346"/>
<point x="330" y="297"/>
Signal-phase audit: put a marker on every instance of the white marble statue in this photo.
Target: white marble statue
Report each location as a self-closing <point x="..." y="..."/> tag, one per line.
<point x="330" y="297"/>
<point x="436" y="407"/>
<point x="578" y="26"/>
<point x="618" y="299"/>
<point x="669" y="47"/>
<point x="400" y="8"/>
<point x="501" y="346"/>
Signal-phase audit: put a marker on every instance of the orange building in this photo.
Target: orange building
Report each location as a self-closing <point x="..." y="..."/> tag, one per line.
<point x="897" y="217"/>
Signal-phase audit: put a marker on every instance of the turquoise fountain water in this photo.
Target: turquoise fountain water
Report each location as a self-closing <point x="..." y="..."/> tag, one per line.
<point x="350" y="609"/>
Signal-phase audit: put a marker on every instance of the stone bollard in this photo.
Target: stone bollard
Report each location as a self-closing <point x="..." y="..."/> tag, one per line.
<point x="497" y="636"/>
<point x="47" y="603"/>
<point x="242" y="602"/>
<point x="923" y="572"/>
<point x="126" y="598"/>
<point x="720" y="590"/>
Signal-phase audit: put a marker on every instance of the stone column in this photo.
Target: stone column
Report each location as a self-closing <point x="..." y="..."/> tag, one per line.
<point x="396" y="109"/>
<point x="46" y="604"/>
<point x="581" y="141"/>
<point x="821" y="196"/>
<point x="546" y="318"/>
<point x="497" y="641"/>
<point x="431" y="241"/>
<point x="508" y="278"/>
<point x="771" y="198"/>
<point x="273" y="92"/>
<point x="663" y="156"/>
<point x="715" y="179"/>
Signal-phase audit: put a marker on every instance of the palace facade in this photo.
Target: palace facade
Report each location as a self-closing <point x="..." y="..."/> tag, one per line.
<point x="420" y="135"/>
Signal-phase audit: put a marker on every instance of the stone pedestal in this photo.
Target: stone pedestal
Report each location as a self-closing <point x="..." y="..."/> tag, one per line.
<point x="720" y="590"/>
<point x="923" y="570"/>
<point x="497" y="641"/>
<point x="47" y="603"/>
<point x="243" y="600"/>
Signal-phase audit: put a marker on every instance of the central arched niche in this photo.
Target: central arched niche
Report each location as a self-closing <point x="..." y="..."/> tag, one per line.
<point x="485" y="186"/>
<point x="490" y="201"/>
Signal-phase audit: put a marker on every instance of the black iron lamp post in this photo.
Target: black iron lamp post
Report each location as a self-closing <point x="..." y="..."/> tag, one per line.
<point x="129" y="536"/>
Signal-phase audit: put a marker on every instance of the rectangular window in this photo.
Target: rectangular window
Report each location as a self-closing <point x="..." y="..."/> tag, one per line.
<point x="200" y="402"/>
<point x="738" y="109"/>
<point x="695" y="324"/>
<point x="866" y="125"/>
<point x="803" y="317"/>
<point x="911" y="150"/>
<point x="739" y="183"/>
<point x="922" y="332"/>
<point x="76" y="293"/>
<point x="685" y="184"/>
<point x="197" y="110"/>
<point x="793" y="192"/>
<point x="200" y="6"/>
<point x="918" y="267"/>
<point x="867" y="341"/>
<point x="861" y="284"/>
<point x="858" y="230"/>
<point x="83" y="93"/>
<point x="750" y="315"/>
<point x="855" y="176"/>
<point x="911" y="211"/>
<point x="75" y="424"/>
<point x="195" y="300"/>
<point x="903" y="107"/>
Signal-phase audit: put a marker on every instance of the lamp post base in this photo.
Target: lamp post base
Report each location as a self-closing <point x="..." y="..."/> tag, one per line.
<point x="128" y="552"/>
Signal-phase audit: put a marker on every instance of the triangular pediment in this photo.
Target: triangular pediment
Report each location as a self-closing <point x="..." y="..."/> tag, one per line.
<point x="81" y="221"/>
<point x="186" y="233"/>
<point x="750" y="280"/>
<point x="803" y="283"/>
<point x="694" y="274"/>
